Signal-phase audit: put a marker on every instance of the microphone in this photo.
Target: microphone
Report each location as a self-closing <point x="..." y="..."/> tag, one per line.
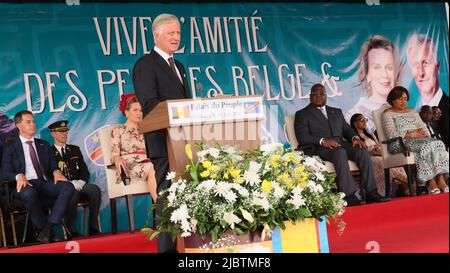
<point x="199" y="88"/>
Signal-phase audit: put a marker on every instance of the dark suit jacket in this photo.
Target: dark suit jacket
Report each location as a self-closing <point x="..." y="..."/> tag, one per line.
<point x="13" y="159"/>
<point x="311" y="125"/>
<point x="72" y="165"/>
<point x="444" y="120"/>
<point x="435" y="127"/>
<point x="155" y="82"/>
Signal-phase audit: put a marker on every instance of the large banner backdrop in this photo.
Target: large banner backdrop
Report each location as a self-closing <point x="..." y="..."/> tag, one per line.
<point x="74" y="61"/>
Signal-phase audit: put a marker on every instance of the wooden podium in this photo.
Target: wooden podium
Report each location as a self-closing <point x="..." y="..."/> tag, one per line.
<point x="223" y="120"/>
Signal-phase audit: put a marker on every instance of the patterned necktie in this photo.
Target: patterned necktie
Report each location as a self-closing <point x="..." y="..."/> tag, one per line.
<point x="172" y="66"/>
<point x="63" y="154"/>
<point x="35" y="161"/>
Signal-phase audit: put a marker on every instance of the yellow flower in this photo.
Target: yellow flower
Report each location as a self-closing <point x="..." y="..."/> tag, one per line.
<point x="239" y="180"/>
<point x="207" y="164"/>
<point x="302" y="180"/>
<point x="276" y="157"/>
<point x="204" y="174"/>
<point x="274" y="161"/>
<point x="266" y="186"/>
<point x="188" y="150"/>
<point x="297" y="159"/>
<point x="214" y="168"/>
<point x="304" y="175"/>
<point x="285" y="176"/>
<point x="298" y="170"/>
<point x="234" y="173"/>
<point x="225" y="176"/>
<point x="290" y="183"/>
<point x="213" y="176"/>
<point x="302" y="183"/>
<point x="289" y="156"/>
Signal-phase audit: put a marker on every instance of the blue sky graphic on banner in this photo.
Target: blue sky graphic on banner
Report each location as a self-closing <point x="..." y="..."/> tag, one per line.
<point x="74" y="61"/>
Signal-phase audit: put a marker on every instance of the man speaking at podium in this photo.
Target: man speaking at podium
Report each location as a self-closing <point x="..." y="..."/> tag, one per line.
<point x="158" y="77"/>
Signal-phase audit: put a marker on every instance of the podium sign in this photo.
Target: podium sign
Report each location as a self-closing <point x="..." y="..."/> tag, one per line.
<point x="222" y="120"/>
<point x="215" y="110"/>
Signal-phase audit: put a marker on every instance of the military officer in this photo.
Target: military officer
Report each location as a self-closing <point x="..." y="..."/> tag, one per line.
<point x="70" y="162"/>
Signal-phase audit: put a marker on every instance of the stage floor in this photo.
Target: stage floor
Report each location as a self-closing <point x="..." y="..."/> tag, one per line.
<point x="409" y="224"/>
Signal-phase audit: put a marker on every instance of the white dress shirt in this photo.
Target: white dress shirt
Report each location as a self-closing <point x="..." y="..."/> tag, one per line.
<point x="59" y="148"/>
<point x="166" y="58"/>
<point x="323" y="109"/>
<point x="30" y="173"/>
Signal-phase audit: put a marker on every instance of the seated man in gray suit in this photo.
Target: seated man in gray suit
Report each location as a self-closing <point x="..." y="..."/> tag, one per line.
<point x="321" y="130"/>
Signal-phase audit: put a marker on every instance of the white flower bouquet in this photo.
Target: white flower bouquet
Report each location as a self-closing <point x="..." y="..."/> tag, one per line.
<point x="229" y="190"/>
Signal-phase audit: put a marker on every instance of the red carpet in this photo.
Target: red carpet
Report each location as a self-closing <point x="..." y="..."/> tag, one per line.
<point x="124" y="242"/>
<point x="418" y="224"/>
<point x="409" y="224"/>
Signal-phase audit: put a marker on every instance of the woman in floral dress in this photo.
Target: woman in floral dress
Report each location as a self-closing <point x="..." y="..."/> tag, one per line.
<point x="430" y="154"/>
<point x="128" y="145"/>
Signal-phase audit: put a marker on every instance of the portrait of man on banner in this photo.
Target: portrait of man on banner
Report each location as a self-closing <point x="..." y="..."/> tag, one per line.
<point x="425" y="67"/>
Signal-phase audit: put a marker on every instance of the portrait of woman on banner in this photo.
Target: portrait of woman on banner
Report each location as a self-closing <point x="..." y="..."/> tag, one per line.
<point x="380" y="69"/>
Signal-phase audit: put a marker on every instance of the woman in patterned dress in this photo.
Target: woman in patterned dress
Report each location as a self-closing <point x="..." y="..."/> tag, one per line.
<point x="359" y="124"/>
<point x="128" y="145"/>
<point x="430" y="154"/>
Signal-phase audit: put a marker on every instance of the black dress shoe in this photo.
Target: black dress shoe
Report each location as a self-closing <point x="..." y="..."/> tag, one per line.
<point x="94" y="232"/>
<point x="352" y="200"/>
<point x="45" y="234"/>
<point x="75" y="234"/>
<point x="375" y="197"/>
<point x="53" y="236"/>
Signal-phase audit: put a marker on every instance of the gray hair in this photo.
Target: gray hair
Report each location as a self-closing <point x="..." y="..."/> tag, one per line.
<point x="161" y="20"/>
<point x="418" y="40"/>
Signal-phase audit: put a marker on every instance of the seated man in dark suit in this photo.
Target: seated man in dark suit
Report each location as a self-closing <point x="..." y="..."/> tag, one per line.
<point x="29" y="162"/>
<point x="321" y="130"/>
<point x="70" y="162"/>
<point x="426" y="114"/>
<point x="440" y="124"/>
